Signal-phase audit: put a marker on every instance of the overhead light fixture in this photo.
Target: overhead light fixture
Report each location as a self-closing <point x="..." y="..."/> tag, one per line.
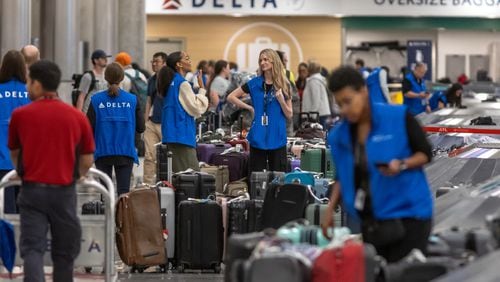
<point x="238" y="15"/>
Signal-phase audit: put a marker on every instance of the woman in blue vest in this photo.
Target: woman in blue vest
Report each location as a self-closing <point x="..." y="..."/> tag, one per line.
<point x="180" y="108"/>
<point x="379" y="151"/>
<point x="415" y="95"/>
<point x="13" y="94"/>
<point x="271" y="108"/>
<point x="115" y="116"/>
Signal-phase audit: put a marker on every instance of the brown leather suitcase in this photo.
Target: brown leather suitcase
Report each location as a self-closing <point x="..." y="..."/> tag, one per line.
<point x="139" y="236"/>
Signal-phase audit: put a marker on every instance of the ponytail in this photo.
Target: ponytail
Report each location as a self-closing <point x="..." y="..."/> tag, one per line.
<point x="113" y="90"/>
<point x="114" y="75"/>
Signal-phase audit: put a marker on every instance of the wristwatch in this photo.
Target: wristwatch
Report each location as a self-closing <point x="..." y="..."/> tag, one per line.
<point x="403" y="166"/>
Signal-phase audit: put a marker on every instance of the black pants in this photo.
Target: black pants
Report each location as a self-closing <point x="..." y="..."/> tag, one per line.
<point x="417" y="234"/>
<point x="41" y="207"/>
<point x="10" y="196"/>
<point x="123" y="171"/>
<point x="271" y="160"/>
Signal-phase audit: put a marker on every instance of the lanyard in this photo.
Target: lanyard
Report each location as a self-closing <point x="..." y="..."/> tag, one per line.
<point x="267" y="97"/>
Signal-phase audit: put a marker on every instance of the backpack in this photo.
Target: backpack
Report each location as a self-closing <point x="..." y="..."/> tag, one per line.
<point x="482" y="121"/>
<point x="77" y="78"/>
<point x="138" y="87"/>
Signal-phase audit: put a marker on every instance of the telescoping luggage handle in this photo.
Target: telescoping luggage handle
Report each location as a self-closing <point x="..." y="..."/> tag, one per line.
<point x="109" y="195"/>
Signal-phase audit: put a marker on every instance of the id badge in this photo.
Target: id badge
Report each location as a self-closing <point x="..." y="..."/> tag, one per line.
<point x="264" y="120"/>
<point x="359" y="202"/>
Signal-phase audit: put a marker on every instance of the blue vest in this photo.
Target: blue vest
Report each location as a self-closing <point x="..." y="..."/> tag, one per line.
<point x="439" y="96"/>
<point x="414" y="105"/>
<point x="115" y="124"/>
<point x="177" y="125"/>
<point x="406" y="195"/>
<point x="13" y="94"/>
<point x="374" y="89"/>
<point x="272" y="136"/>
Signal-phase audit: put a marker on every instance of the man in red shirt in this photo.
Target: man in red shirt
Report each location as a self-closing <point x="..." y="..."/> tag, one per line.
<point x="51" y="146"/>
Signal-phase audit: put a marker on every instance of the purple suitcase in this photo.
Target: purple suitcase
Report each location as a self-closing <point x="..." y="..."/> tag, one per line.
<point x="204" y="151"/>
<point x="237" y="163"/>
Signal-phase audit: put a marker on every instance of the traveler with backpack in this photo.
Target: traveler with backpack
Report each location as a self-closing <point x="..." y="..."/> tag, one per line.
<point x="272" y="106"/>
<point x="92" y="81"/>
<point x="180" y="108"/>
<point x="115" y="117"/>
<point x="13" y="94"/>
<point x="379" y="152"/>
<point x="152" y="116"/>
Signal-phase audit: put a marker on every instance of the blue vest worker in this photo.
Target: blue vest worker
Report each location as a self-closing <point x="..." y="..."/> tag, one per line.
<point x="436" y="98"/>
<point x="374" y="87"/>
<point x="415" y="105"/>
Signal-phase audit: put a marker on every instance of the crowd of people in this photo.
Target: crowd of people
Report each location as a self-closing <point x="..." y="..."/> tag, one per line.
<point x="379" y="149"/>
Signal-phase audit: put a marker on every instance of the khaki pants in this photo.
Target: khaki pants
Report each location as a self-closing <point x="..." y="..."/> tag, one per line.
<point x="152" y="136"/>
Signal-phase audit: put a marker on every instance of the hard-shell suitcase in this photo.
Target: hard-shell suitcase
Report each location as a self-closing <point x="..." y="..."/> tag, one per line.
<point x="244" y="216"/>
<point x="315" y="214"/>
<point x="205" y="151"/>
<point x="237" y="163"/>
<point x="478" y="242"/>
<point x="318" y="160"/>
<point x="93" y="207"/>
<point x="196" y="185"/>
<point x="300" y="177"/>
<point x="167" y="207"/>
<point x="139" y="237"/>
<point x="260" y="180"/>
<point x="200" y="236"/>
<point x="277" y="267"/>
<point x="239" y="249"/>
<point x="284" y="203"/>
<point x="221" y="174"/>
<point x="417" y="271"/>
<point x="162" y="162"/>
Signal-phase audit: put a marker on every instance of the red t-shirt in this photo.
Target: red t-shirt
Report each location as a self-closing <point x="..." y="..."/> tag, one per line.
<point x="50" y="134"/>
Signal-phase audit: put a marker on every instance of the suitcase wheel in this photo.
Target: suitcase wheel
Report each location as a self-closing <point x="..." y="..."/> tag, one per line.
<point x="181" y="268"/>
<point x="137" y="268"/>
<point x="88" y="269"/>
<point x="163" y="268"/>
<point x="217" y="269"/>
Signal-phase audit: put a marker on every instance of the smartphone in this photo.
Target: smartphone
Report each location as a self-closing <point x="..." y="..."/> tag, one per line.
<point x="382" y="165"/>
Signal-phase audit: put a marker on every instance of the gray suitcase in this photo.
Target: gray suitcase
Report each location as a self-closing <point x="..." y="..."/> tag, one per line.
<point x="167" y="206"/>
<point x="259" y="182"/>
<point x="276" y="268"/>
<point x="315" y="214"/>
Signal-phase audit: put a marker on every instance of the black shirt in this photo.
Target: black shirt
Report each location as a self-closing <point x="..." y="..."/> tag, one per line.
<point x="417" y="141"/>
<point x="246" y="88"/>
<point x="406" y="87"/>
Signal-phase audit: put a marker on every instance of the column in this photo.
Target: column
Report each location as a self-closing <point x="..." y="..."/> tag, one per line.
<point x="106" y="26"/>
<point x="132" y="29"/>
<point x="15" y="19"/>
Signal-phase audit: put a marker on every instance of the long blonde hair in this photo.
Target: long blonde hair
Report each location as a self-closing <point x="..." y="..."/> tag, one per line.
<point x="280" y="81"/>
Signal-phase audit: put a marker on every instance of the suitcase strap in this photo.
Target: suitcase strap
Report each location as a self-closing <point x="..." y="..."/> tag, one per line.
<point x="323" y="160"/>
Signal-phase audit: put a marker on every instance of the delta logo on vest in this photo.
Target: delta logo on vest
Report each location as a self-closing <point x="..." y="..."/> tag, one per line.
<point x="14" y="94"/>
<point x="114" y="105"/>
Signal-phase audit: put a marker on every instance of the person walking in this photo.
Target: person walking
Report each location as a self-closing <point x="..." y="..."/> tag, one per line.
<point x="316" y="94"/>
<point x="115" y="117"/>
<point x="379" y="152"/>
<point x="152" y="116"/>
<point x="180" y="108"/>
<point x="51" y="146"/>
<point x="13" y="94"/>
<point x="92" y="81"/>
<point x="272" y="106"/>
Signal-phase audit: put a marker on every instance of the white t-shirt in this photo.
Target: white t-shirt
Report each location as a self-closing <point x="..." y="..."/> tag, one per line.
<point x="99" y="85"/>
<point x="127" y="83"/>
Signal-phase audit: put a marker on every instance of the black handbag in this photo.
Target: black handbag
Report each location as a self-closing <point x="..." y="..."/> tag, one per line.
<point x="383" y="232"/>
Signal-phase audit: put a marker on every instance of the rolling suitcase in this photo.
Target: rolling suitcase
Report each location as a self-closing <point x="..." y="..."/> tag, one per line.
<point x="284" y="203"/>
<point x="239" y="249"/>
<point x="93" y="207"/>
<point x="279" y="267"/>
<point x="162" y="162"/>
<point x="167" y="208"/>
<point x="200" y="236"/>
<point x="315" y="214"/>
<point x="139" y="237"/>
<point x="318" y="160"/>
<point x="205" y="151"/>
<point x="259" y="181"/>
<point x="237" y="163"/>
<point x="192" y="184"/>
<point x="300" y="177"/>
<point x="244" y="216"/>
<point x="221" y="174"/>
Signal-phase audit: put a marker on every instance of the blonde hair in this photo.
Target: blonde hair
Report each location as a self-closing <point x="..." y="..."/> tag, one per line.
<point x="280" y="81"/>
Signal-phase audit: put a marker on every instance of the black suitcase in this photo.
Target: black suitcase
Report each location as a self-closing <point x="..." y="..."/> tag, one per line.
<point x="284" y="203"/>
<point x="244" y="216"/>
<point x="260" y="180"/>
<point x="162" y="163"/>
<point x="417" y="271"/>
<point x="239" y="249"/>
<point x="196" y="185"/>
<point x="200" y="240"/>
<point x="93" y="207"/>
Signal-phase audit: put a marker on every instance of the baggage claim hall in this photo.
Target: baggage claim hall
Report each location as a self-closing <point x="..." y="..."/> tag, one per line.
<point x="250" y="140"/>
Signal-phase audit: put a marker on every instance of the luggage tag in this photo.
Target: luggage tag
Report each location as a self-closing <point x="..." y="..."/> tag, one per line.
<point x="359" y="202"/>
<point x="264" y="120"/>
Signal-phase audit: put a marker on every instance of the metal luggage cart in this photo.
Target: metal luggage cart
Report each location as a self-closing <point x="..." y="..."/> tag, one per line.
<point x="98" y="231"/>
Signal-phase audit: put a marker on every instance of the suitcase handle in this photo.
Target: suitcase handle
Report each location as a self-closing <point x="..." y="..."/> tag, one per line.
<point x="321" y="200"/>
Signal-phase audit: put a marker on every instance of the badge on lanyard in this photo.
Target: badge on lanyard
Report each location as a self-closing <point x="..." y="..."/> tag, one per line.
<point x="264" y="120"/>
<point x="359" y="202"/>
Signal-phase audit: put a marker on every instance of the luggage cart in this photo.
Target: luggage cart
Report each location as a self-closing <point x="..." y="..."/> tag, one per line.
<point x="96" y="229"/>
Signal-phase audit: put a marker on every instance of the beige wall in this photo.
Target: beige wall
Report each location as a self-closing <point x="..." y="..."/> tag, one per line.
<point x="206" y="37"/>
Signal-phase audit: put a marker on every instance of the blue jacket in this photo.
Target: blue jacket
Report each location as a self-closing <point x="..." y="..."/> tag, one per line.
<point x="177" y="125"/>
<point x="115" y="124"/>
<point x="272" y="136"/>
<point x="406" y="195"/>
<point x="374" y="87"/>
<point x="415" y="105"/>
<point x="7" y="245"/>
<point x="439" y="96"/>
<point x="13" y="94"/>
